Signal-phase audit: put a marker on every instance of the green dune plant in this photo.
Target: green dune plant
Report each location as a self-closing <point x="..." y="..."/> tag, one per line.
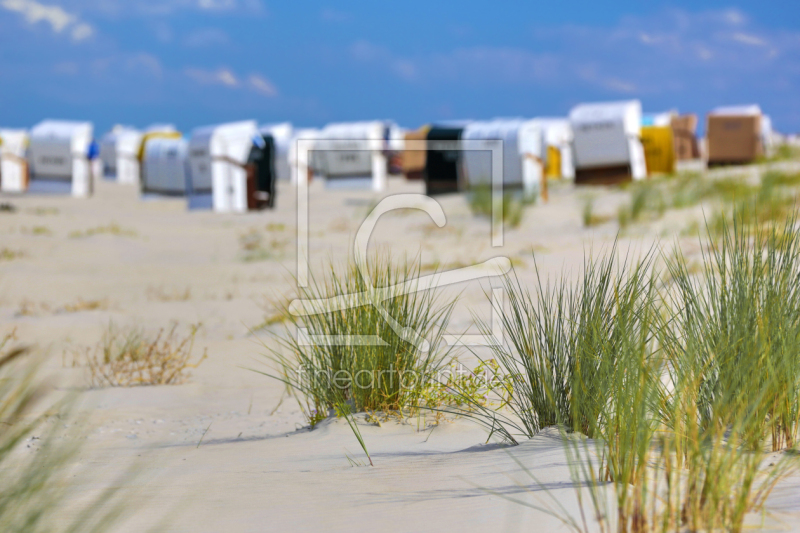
<point x="513" y="204"/>
<point x="646" y="197"/>
<point x="35" y="479"/>
<point x="738" y="331"/>
<point x="705" y="379"/>
<point x="769" y="204"/>
<point x="350" y="353"/>
<point x="589" y="218"/>
<point x="564" y="345"/>
<point x="768" y="201"/>
<point x="656" y="467"/>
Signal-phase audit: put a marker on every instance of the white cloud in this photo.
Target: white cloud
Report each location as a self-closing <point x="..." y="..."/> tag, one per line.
<point x="746" y="38"/>
<point x="35" y="12"/>
<point x="221" y="76"/>
<point x="225" y="77"/>
<point x="262" y="86"/>
<point x="216" y="5"/>
<point x="58" y="19"/>
<point x="734" y="17"/>
<point x="118" y="8"/>
<point x="82" y="31"/>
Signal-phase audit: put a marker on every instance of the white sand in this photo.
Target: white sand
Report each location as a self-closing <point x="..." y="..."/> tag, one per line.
<point x="257" y="471"/>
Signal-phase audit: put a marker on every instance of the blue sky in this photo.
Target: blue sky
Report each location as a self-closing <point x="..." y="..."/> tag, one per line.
<point x="193" y="62"/>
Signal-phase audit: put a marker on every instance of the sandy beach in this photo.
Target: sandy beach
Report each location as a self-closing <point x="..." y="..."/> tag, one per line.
<point x="220" y="452"/>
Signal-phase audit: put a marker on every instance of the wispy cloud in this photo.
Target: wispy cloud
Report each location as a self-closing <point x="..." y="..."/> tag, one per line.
<point x="220" y="76"/>
<point x="56" y="17"/>
<point x="639" y="55"/>
<point x="262" y="85"/>
<point x="226" y="77"/>
<point x="120" y="8"/>
<point x="746" y="38"/>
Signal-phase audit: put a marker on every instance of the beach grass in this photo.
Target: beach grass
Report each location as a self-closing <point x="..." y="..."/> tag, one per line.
<point x="738" y="329"/>
<point x="350" y="352"/>
<point x="513" y="204"/>
<point x="564" y="344"/>
<point x="128" y="357"/>
<point x="589" y="217"/>
<point x="35" y="460"/>
<point x="682" y="383"/>
<point x="766" y="202"/>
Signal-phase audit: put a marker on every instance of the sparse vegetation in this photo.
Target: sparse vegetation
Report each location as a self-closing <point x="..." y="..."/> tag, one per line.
<point x="160" y="294"/>
<point x="459" y="388"/>
<point x="589" y="217"/>
<point x="766" y="205"/>
<point x="7" y="254"/>
<point x="38" y="230"/>
<point x="111" y="229"/>
<point x="81" y="305"/>
<point x="29" y="308"/>
<point x="783" y="152"/>
<point x="129" y="357"/>
<point x="646" y="198"/>
<point x="513" y="204"/>
<point x="255" y="248"/>
<point x="767" y="202"/>
<point x="43" y="211"/>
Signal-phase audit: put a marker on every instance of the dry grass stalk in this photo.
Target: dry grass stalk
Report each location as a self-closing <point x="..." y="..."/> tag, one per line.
<point x="84" y="305"/>
<point x="160" y="294"/>
<point x="129" y="358"/>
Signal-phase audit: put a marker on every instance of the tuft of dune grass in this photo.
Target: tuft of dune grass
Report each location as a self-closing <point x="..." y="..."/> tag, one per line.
<point x="309" y="370"/>
<point x="683" y="382"/>
<point x="127" y="357"/>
